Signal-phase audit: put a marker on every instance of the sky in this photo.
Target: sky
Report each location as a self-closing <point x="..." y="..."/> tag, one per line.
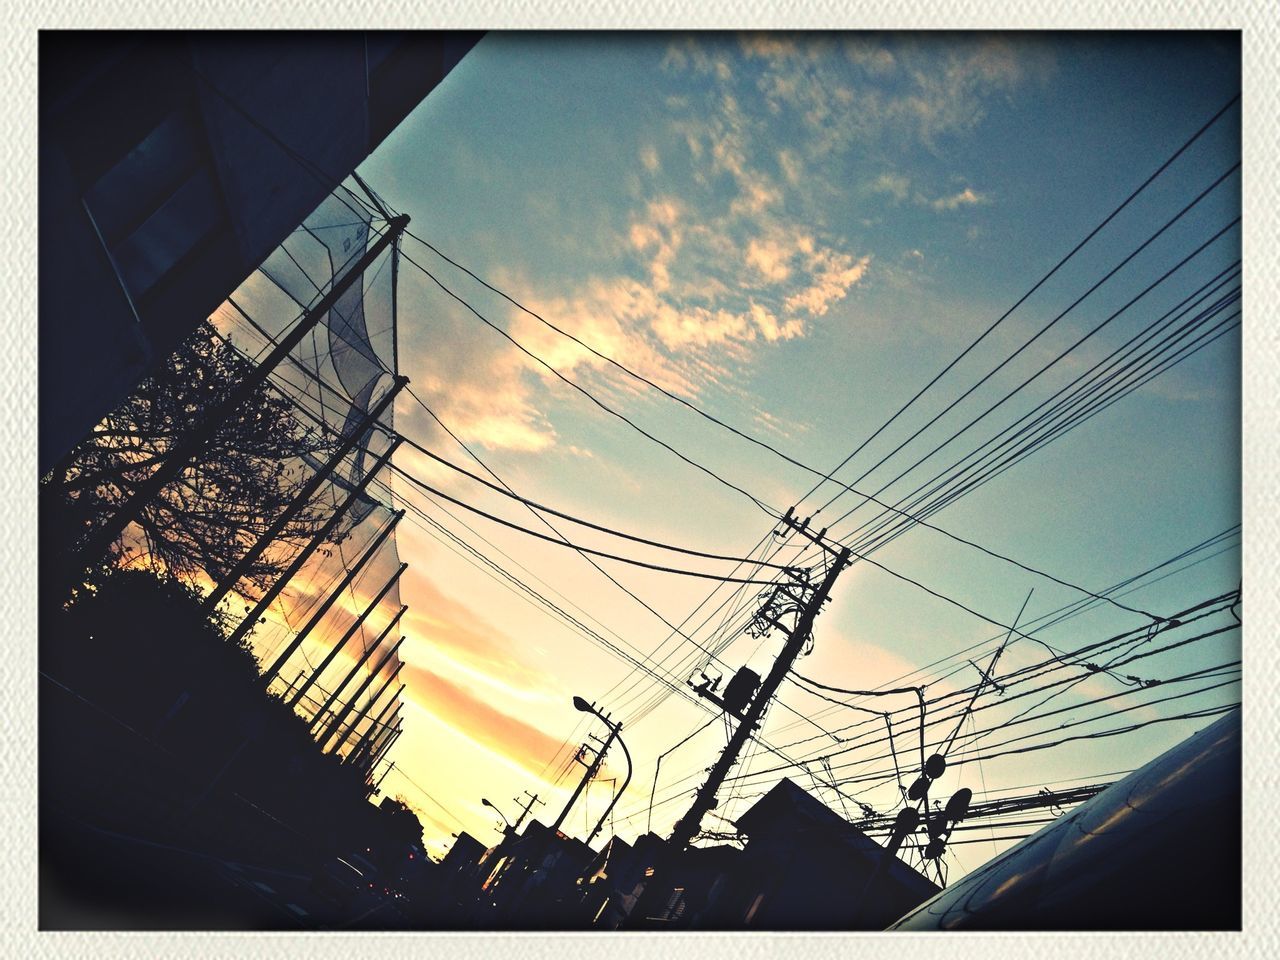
<point x="793" y="234"/>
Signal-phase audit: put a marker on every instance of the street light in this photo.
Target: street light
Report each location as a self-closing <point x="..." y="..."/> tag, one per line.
<point x="614" y="802"/>
<point x="498" y="812"/>
<point x="582" y="706"/>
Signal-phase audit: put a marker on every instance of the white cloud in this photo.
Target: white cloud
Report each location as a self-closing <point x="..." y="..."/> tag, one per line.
<point x="965" y="198"/>
<point x="872" y="57"/>
<point x="940" y="84"/>
<point x="771" y="258"/>
<point x="658" y="234"/>
<point x="834" y="274"/>
<point x="649" y="158"/>
<point x="735" y="260"/>
<point x="791" y="166"/>
<point x="894" y="184"/>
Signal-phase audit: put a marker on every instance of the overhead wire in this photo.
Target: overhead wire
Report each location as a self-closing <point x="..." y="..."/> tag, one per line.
<point x="1057" y="358"/>
<point x="944" y="718"/>
<point x="1052" y="412"/>
<point x="1057" y="318"/>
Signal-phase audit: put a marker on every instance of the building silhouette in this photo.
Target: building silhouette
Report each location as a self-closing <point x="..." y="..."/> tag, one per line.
<point x="171" y="165"/>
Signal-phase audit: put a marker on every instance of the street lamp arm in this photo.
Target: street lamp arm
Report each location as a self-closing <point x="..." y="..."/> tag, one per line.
<point x="614" y="802"/>
<point x="494" y="808"/>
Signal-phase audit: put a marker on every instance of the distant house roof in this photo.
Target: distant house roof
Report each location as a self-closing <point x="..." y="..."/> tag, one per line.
<point x="784" y="805"/>
<point x="792" y="815"/>
<point x="616" y="855"/>
<point x="538" y="840"/>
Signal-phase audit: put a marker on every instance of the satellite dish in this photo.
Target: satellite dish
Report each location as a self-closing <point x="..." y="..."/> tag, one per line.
<point x="958" y="805"/>
<point x="934" y="849"/>
<point x="918" y="789"/>
<point x="935" y="766"/>
<point x="936" y="825"/>
<point x="906" y="821"/>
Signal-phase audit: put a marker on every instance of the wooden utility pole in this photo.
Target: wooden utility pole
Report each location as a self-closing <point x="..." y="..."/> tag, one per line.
<point x="387" y="744"/>
<point x="533" y="798"/>
<point x="592" y="769"/>
<point x="377" y="786"/>
<point x="691" y="822"/>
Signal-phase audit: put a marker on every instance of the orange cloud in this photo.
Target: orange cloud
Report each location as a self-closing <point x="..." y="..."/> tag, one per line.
<point x="479" y="721"/>
<point x="462" y="637"/>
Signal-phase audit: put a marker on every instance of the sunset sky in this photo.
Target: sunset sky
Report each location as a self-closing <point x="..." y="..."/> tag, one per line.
<point x="794" y="234"/>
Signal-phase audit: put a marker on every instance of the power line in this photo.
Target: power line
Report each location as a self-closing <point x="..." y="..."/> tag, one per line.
<point x="586" y="523"/>
<point x="1168" y="273"/>
<point x="449" y="813"/>
<point x="768" y="510"/>
<point x="1039" y="283"/>
<point x="812" y="470"/>
<point x="676" y="630"/>
<point x="1189" y="616"/>
<point x="573" y="546"/>
<point x="848" y="538"/>
<point x="827" y="476"/>
<point x="1085" y="384"/>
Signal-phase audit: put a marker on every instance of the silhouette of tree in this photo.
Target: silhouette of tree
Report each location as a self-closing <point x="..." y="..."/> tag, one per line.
<point x="405" y="827"/>
<point x="206" y="519"/>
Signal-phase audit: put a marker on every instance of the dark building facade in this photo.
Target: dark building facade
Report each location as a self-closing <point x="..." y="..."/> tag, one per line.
<point x="529" y="880"/>
<point x="462" y="856"/>
<point x="807" y="868"/>
<point x="170" y="165"/>
<point x="801" y="867"/>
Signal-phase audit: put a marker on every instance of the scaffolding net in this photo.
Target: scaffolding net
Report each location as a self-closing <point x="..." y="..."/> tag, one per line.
<point x="338" y="611"/>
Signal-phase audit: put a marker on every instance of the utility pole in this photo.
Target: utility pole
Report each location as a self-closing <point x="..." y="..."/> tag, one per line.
<point x="387" y="743"/>
<point x="366" y="763"/>
<point x="301" y="499"/>
<point x="394" y="722"/>
<point x="381" y="738"/>
<point x="592" y="769"/>
<point x="689" y="824"/>
<point x="189" y="448"/>
<point x="524" y="812"/>
<point x="330" y="600"/>
<point x="617" y="794"/>
<point x="349" y="633"/>
<point x="321" y="536"/>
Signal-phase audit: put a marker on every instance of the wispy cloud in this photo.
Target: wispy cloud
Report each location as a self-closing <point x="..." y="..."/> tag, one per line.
<point x="718" y="264"/>
<point x="965" y="198"/>
<point x="476" y="719"/>
<point x="834" y="274"/>
<point x="438" y="624"/>
<point x="897" y="86"/>
<point x="894" y="184"/>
